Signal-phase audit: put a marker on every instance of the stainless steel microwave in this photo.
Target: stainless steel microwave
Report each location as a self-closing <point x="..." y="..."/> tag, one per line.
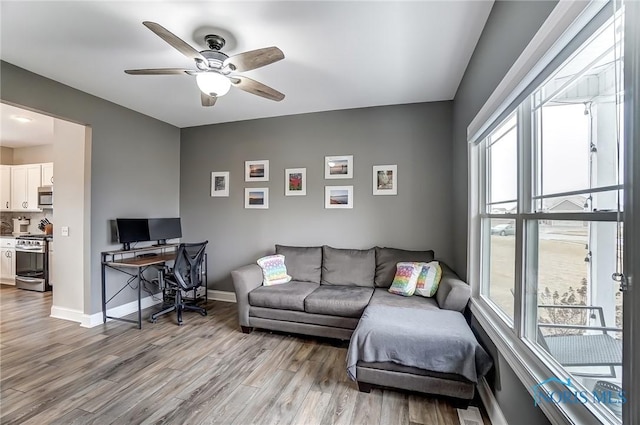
<point x="45" y="197"/>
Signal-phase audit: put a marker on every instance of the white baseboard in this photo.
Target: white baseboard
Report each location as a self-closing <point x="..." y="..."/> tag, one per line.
<point x="226" y="296"/>
<point x="490" y="403"/>
<point x="91" y="320"/>
<point x="66" y="314"/>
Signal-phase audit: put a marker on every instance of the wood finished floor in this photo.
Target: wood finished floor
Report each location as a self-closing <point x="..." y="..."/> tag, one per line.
<point x="206" y="372"/>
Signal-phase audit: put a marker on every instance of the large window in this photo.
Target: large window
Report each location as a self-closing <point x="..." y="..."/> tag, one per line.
<point x="549" y="186"/>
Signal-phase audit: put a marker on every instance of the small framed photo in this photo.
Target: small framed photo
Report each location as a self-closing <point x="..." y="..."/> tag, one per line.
<point x="256" y="197"/>
<point x="338" y="167"/>
<point x="385" y="179"/>
<point x="295" y="182"/>
<point x="256" y="171"/>
<point x="338" y="196"/>
<point x="220" y="183"/>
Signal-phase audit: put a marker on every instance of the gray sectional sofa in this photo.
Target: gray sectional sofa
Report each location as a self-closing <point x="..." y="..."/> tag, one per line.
<point x="329" y="291"/>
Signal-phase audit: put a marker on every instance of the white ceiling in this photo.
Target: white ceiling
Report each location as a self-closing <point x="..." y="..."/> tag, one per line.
<point x="16" y="134"/>
<point x="338" y="55"/>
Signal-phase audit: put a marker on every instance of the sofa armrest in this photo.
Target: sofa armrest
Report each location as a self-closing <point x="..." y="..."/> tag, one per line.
<point x="453" y="293"/>
<point x="245" y="280"/>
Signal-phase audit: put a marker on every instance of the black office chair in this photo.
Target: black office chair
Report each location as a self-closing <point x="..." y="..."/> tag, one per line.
<point x="186" y="275"/>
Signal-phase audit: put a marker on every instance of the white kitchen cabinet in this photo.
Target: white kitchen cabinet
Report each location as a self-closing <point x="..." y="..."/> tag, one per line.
<point x="47" y="174"/>
<point x="5" y="187"/>
<point x="7" y="261"/>
<point x="25" y="180"/>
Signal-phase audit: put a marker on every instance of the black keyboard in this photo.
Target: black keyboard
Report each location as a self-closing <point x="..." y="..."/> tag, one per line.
<point x="147" y="254"/>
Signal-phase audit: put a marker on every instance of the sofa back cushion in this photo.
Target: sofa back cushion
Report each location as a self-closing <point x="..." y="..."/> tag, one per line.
<point x="351" y="267"/>
<point x="304" y="264"/>
<point x="387" y="258"/>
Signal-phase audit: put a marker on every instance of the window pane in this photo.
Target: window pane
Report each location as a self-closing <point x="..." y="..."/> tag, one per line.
<point x="502" y="163"/>
<point x="598" y="201"/>
<point x="503" y="208"/>
<point x="576" y="131"/>
<point x="578" y="311"/>
<point x="499" y="264"/>
<point x="564" y="134"/>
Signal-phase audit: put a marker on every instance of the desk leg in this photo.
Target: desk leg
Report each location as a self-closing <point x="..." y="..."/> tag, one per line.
<point x="139" y="298"/>
<point x="104" y="293"/>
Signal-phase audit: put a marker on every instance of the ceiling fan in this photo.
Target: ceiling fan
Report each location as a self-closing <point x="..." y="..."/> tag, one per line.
<point x="216" y="71"/>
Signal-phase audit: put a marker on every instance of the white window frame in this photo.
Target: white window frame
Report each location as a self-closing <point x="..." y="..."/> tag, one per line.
<point x="530" y="363"/>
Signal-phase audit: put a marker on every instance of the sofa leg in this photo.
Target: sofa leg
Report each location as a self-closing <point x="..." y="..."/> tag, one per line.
<point x="246" y="329"/>
<point x="363" y="387"/>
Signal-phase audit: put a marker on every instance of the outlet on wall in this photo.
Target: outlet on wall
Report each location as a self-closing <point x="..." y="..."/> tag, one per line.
<point x="64" y="230"/>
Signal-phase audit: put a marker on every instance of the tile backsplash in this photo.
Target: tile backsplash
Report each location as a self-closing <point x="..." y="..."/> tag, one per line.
<point x="6" y="218"/>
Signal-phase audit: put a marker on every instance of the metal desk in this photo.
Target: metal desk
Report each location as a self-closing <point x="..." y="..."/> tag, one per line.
<point x="125" y="262"/>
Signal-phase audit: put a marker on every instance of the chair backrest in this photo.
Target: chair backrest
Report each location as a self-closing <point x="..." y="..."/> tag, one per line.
<point x="187" y="267"/>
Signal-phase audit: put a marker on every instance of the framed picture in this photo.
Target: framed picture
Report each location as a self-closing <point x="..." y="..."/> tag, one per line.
<point x="338" y="196"/>
<point x="256" y="197"/>
<point x="385" y="179"/>
<point x="256" y="171"/>
<point x="338" y="167"/>
<point x="220" y="183"/>
<point x="295" y="182"/>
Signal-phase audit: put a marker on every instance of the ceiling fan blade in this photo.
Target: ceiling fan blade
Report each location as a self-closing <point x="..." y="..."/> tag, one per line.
<point x="254" y="59"/>
<point x="207" y="100"/>
<point x="254" y="87"/>
<point x="176" y="42"/>
<point x="158" y="71"/>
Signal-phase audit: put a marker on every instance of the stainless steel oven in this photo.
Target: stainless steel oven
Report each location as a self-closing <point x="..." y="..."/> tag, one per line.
<point x="32" y="263"/>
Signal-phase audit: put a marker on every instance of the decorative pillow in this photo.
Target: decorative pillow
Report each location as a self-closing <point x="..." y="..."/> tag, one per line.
<point x="428" y="278"/>
<point x="405" y="280"/>
<point x="274" y="272"/>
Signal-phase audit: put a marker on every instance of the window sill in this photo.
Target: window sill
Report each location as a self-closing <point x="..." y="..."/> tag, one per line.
<point x="531" y="370"/>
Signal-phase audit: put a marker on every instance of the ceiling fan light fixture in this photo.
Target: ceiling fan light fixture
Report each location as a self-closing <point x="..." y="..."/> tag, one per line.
<point x="213" y="84"/>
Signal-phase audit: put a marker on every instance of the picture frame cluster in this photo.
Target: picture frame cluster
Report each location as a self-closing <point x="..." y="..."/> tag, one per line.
<point x="384" y="182"/>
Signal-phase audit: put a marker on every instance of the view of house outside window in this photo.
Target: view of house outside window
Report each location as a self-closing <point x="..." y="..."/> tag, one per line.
<point x="559" y="201"/>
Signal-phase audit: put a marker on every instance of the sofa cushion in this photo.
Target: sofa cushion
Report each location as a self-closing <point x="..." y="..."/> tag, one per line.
<point x="350" y="267"/>
<point x="383" y="297"/>
<point x="304" y="264"/>
<point x="387" y="258"/>
<point x="287" y="296"/>
<point x="344" y="301"/>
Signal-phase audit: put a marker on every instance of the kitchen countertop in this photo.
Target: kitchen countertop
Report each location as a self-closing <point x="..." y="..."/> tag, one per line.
<point x="10" y="236"/>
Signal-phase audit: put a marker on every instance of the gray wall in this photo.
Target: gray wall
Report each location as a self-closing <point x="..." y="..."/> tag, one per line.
<point x="135" y="167"/>
<point x="416" y="137"/>
<point x="510" y="27"/>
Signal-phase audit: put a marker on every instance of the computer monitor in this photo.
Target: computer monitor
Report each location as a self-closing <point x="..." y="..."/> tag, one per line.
<point x="161" y="229"/>
<point x="132" y="230"/>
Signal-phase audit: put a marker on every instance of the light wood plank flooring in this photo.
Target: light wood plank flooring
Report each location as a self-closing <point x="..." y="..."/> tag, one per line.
<point x="206" y="372"/>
